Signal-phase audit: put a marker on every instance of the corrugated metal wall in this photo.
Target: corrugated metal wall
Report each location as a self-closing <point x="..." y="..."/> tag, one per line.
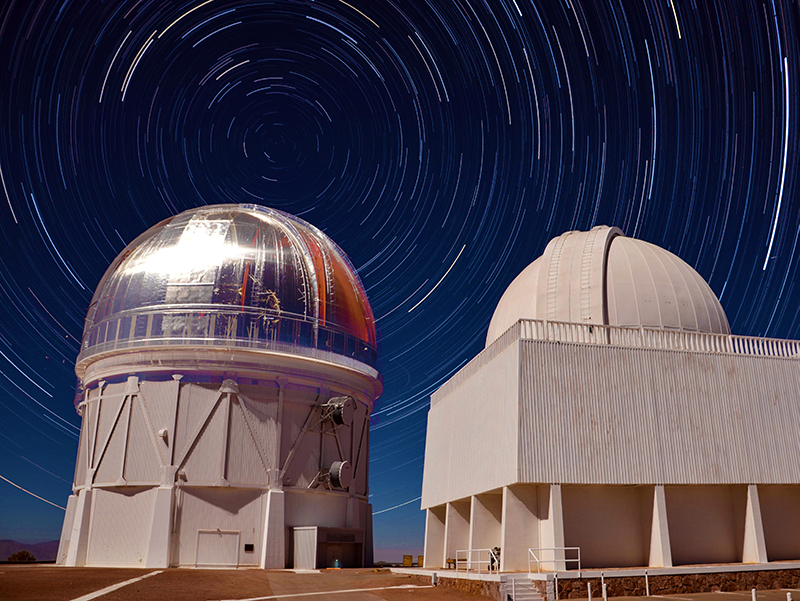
<point x="478" y="363"/>
<point x="120" y="526"/>
<point x="142" y="457"/>
<point x="112" y="431"/>
<point x="603" y="414"/>
<point x="109" y="404"/>
<point x="471" y="443"/>
<point x="90" y="427"/>
<point x="305" y="462"/>
<point x="158" y="401"/>
<point x="224" y="508"/>
<point x="82" y="460"/>
<point x="251" y="449"/>
<point x="315" y="507"/>
<point x="359" y="434"/>
<point x="204" y="462"/>
<point x="217" y="439"/>
<point x="194" y="403"/>
<point x="259" y="405"/>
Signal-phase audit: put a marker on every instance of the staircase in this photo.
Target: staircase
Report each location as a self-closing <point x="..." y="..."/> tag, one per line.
<point x="520" y="589"/>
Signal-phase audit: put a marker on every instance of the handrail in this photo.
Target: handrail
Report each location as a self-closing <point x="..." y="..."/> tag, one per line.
<point x="512" y="586"/>
<point x="554" y="561"/>
<point x="492" y="559"/>
<point x="651" y="338"/>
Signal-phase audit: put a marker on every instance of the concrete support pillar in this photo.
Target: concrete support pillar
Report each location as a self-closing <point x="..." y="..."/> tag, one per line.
<point x="353" y="516"/>
<point x="456" y="529"/>
<point x="434" y="536"/>
<point x="484" y="524"/>
<point x="66" y="530"/>
<point x="519" y="529"/>
<point x="660" y="549"/>
<point x="755" y="547"/>
<point x="273" y="547"/>
<point x="369" y="557"/>
<point x="79" y="537"/>
<point x="552" y="526"/>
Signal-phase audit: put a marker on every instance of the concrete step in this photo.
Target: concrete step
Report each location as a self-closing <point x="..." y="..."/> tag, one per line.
<point x="526" y="596"/>
<point x="520" y="591"/>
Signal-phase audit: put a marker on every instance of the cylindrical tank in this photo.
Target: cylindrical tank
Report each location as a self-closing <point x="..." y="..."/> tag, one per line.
<point x="211" y="350"/>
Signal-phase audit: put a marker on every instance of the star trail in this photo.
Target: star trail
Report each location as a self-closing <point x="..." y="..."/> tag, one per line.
<point x="440" y="143"/>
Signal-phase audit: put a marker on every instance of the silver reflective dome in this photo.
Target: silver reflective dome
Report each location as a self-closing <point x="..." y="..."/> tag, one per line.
<point x="232" y="276"/>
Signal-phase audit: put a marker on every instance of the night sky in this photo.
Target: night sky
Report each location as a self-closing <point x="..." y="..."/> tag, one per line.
<point x="440" y="143"/>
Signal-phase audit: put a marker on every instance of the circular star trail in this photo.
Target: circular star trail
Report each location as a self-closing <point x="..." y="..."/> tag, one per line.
<point x="440" y="143"/>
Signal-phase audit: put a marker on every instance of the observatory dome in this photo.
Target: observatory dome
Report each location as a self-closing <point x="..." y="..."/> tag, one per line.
<point x="603" y="277"/>
<point x="224" y="276"/>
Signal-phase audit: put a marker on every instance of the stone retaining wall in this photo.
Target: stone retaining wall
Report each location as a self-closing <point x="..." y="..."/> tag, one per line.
<point x="634" y="586"/>
<point x="667" y="584"/>
<point x="490" y="590"/>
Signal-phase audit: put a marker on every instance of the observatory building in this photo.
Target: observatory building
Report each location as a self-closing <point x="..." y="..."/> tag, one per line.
<point x="612" y="411"/>
<point x="228" y="369"/>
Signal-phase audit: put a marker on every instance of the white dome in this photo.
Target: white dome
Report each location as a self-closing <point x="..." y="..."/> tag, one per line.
<point x="602" y="277"/>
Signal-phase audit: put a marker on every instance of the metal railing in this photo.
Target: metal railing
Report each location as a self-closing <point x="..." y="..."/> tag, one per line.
<point x="563" y="559"/>
<point x="648" y="338"/>
<point x="581" y="333"/>
<point x="227" y="327"/>
<point x="465" y="560"/>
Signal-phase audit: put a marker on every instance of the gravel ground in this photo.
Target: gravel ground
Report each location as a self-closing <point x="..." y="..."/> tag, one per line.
<point x="51" y="583"/>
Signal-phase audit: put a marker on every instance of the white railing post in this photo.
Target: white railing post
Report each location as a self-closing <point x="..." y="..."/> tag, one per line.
<point x="466" y="558"/>
<point x="556" y="559"/>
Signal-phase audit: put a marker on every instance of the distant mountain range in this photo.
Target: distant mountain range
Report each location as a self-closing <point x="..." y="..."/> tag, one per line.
<point x="41" y="551"/>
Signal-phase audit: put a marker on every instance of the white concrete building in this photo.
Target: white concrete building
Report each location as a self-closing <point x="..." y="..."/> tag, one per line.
<point x="228" y="373"/>
<point x="613" y="411"/>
